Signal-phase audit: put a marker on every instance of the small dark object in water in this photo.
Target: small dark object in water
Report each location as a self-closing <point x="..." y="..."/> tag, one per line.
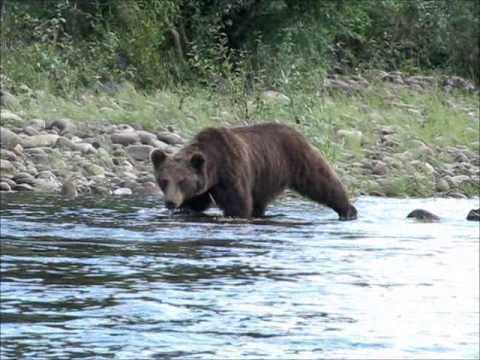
<point x="474" y="215"/>
<point x="424" y="215"/>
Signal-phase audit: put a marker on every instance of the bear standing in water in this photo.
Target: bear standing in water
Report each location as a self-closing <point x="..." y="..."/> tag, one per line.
<point x="244" y="168"/>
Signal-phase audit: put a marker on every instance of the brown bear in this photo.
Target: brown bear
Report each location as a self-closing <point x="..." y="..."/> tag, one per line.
<point x="244" y="168"/>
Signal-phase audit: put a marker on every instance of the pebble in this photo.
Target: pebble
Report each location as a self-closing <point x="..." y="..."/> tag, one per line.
<point x="125" y="138"/>
<point x="122" y="191"/>
<point x="139" y="152"/>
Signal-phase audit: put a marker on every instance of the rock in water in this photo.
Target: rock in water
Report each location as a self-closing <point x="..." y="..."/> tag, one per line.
<point x="423" y="215"/>
<point x="474" y="215"/>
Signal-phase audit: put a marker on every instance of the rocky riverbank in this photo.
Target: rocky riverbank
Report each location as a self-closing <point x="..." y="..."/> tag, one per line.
<point x="62" y="155"/>
<point x="74" y="157"/>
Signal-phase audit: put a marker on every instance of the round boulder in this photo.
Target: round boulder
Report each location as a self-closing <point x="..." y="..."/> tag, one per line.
<point x="474" y="215"/>
<point x="423" y="215"/>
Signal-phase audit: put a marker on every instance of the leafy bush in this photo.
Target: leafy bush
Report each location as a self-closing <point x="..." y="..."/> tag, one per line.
<point x="235" y="44"/>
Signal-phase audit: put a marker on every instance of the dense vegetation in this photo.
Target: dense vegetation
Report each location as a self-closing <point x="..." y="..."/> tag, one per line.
<point x="64" y="45"/>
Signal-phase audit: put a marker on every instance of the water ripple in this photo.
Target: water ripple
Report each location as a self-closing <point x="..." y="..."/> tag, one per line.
<point x="119" y="278"/>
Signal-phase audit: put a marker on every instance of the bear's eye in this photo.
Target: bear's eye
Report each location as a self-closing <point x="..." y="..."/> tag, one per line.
<point x="163" y="183"/>
<point x="182" y="182"/>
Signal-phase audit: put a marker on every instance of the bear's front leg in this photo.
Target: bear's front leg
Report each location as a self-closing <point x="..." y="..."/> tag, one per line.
<point x="233" y="201"/>
<point x="198" y="203"/>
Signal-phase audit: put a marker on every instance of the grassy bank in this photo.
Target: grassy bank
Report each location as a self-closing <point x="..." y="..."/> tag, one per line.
<point x="403" y="127"/>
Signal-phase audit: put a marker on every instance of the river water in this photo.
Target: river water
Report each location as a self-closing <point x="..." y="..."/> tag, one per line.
<point x="119" y="278"/>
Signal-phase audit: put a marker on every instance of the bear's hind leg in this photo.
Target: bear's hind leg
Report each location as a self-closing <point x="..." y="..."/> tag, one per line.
<point x="326" y="189"/>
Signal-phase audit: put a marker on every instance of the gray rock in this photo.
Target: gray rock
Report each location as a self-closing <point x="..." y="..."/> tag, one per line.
<point x="8" y="155"/>
<point x="47" y="175"/>
<point x="460" y="180"/>
<point x="42" y="140"/>
<point x="45" y="185"/>
<point x="94" y="170"/>
<point x="474" y="215"/>
<point x="8" y="139"/>
<point x="457" y="195"/>
<point x="85" y="148"/>
<point x="122" y="191"/>
<point x="442" y="185"/>
<point x="6" y="168"/>
<point x="423" y="215"/>
<point x="139" y="152"/>
<point x="63" y="125"/>
<point x="8" y="180"/>
<point x="461" y="157"/>
<point x="8" y="101"/>
<point x="38" y="124"/>
<point x="170" y="138"/>
<point x="378" y="167"/>
<point x="24" y="178"/>
<point x="4" y="186"/>
<point x="125" y="138"/>
<point x="147" y="188"/>
<point x="146" y="138"/>
<point x="38" y="155"/>
<point x="23" y="187"/>
<point x="30" y="131"/>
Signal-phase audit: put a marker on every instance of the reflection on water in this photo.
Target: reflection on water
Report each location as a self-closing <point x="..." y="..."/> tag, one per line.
<point x="120" y="279"/>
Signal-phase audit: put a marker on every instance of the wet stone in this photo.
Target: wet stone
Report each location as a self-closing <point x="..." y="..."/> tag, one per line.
<point x="474" y="215"/>
<point x="4" y="186"/>
<point x="423" y="215"/>
<point x="24" y="178"/>
<point x="23" y="187"/>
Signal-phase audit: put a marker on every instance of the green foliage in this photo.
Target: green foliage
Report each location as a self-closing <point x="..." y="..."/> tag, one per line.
<point x="233" y="44"/>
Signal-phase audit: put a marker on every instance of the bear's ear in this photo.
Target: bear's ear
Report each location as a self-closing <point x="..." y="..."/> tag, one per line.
<point x="197" y="161"/>
<point x="157" y="157"/>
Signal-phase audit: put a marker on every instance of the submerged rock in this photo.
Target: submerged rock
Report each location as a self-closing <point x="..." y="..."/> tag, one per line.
<point x="424" y="215"/>
<point x="474" y="215"/>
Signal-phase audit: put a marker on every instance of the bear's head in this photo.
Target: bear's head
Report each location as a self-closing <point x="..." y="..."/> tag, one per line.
<point x="181" y="176"/>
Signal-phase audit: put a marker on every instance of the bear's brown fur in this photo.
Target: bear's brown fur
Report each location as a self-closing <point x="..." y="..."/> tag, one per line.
<point x="244" y="168"/>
